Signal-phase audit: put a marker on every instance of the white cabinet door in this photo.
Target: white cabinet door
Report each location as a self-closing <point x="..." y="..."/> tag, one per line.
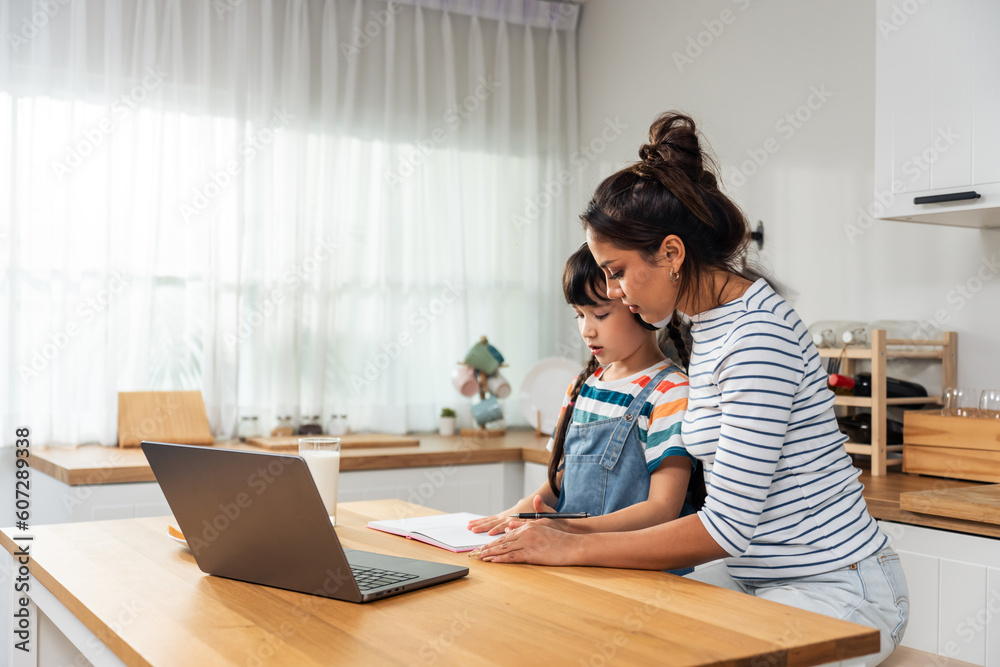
<point x="986" y="100"/>
<point x="937" y="110"/>
<point x="903" y="89"/>
<point x="951" y="70"/>
<point x="954" y="584"/>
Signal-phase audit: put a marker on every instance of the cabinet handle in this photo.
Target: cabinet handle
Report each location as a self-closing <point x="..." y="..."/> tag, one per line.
<point x="954" y="196"/>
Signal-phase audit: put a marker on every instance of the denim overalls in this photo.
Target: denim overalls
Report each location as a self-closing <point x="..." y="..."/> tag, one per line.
<point x="605" y="464"/>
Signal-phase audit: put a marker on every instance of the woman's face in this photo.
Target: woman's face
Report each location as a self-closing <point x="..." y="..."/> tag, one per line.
<point x="646" y="289"/>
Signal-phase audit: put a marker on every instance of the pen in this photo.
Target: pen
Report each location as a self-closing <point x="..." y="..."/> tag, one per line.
<point x="550" y="515"/>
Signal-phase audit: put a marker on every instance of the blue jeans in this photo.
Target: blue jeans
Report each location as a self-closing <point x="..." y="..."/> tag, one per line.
<point x="870" y="592"/>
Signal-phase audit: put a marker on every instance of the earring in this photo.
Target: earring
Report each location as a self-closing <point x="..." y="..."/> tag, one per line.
<point x="674" y="276"/>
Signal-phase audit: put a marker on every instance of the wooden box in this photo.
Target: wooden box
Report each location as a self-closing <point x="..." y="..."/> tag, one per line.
<point x="946" y="446"/>
<point x="162" y="416"/>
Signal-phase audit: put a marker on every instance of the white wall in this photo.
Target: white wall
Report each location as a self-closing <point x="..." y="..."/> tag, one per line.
<point x="762" y="65"/>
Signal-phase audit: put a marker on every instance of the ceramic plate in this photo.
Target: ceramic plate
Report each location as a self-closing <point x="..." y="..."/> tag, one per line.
<point x="176" y="535"/>
<point x="544" y="388"/>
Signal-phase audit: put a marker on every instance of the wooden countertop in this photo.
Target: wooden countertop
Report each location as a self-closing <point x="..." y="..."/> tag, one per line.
<point x="883" y="497"/>
<point x="499" y="614"/>
<point x="95" y="464"/>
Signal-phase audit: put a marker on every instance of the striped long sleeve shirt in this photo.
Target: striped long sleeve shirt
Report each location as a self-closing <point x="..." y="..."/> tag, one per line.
<point x="783" y="495"/>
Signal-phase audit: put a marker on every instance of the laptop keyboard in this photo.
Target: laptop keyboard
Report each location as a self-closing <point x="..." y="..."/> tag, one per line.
<point x="371" y="577"/>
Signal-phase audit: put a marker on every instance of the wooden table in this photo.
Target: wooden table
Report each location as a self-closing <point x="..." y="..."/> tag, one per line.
<point x="146" y="601"/>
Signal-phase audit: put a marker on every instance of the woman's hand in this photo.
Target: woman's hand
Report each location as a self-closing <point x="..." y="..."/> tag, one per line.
<point x="536" y="543"/>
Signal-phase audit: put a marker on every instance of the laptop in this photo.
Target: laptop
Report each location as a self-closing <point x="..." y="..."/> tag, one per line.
<point x="258" y="517"/>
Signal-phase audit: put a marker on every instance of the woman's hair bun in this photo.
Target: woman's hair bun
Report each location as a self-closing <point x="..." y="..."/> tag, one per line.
<point x="673" y="140"/>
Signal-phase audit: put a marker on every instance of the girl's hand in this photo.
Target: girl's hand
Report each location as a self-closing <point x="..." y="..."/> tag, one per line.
<point x="533" y="543"/>
<point x="494" y="524"/>
<point x="498" y="523"/>
<point x="539" y="506"/>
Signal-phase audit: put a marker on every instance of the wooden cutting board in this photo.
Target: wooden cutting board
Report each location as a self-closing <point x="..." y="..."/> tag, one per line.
<point x="972" y="503"/>
<point x="163" y="416"/>
<point x="351" y="441"/>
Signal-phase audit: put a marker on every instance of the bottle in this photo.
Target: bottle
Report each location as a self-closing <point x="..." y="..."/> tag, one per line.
<point x="338" y="425"/>
<point x="856" y="336"/>
<point x="824" y="333"/>
<point x="310" y="426"/>
<point x="830" y="333"/>
<point x="861" y="385"/>
<point x="284" y="427"/>
<point x="859" y="429"/>
<point x="248" y="427"/>
<point x="911" y="331"/>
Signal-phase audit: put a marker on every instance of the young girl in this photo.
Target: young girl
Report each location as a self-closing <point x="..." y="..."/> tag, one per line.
<point x="784" y="506"/>
<point x="617" y="450"/>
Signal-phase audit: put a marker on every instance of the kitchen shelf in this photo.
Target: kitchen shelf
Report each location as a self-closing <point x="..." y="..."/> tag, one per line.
<point x="866" y="401"/>
<point x="858" y="448"/>
<point x="882" y="348"/>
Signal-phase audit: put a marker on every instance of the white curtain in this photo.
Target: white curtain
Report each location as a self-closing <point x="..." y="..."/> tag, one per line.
<point x="294" y="206"/>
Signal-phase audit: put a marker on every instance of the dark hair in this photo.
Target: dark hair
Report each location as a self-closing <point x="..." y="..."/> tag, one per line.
<point x="584" y="284"/>
<point x="673" y="190"/>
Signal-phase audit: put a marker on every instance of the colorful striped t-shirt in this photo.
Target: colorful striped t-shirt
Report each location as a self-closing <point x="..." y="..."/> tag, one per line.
<point x="783" y="495"/>
<point x="660" y="418"/>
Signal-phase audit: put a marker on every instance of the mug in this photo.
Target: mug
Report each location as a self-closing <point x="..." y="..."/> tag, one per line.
<point x="497" y="385"/>
<point x="465" y="381"/>
<point x="480" y="358"/>
<point x="487" y="410"/>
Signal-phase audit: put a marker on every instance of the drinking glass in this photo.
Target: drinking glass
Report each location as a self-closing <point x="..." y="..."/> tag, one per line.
<point x="322" y="456"/>
<point x="950" y="402"/>
<point x="967" y="402"/>
<point x="989" y="404"/>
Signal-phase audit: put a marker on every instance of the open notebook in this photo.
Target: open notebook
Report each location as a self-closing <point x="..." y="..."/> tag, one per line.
<point x="447" y="531"/>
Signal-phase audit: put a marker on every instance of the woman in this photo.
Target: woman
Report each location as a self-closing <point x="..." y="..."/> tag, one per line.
<point x="784" y="506"/>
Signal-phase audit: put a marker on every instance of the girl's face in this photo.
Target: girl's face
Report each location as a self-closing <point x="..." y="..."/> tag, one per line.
<point x="643" y="288"/>
<point x="610" y="330"/>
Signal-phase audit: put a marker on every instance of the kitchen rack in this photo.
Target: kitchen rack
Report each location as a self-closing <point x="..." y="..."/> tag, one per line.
<point x="882" y="348"/>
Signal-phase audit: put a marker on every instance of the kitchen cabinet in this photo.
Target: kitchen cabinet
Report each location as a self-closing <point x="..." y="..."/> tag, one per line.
<point x="937" y="111"/>
<point x="954" y="587"/>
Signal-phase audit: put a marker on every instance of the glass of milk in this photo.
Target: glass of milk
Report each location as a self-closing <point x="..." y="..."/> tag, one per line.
<point x="322" y="456"/>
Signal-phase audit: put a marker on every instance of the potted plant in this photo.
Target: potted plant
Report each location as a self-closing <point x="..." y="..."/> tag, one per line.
<point x="446" y="426"/>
